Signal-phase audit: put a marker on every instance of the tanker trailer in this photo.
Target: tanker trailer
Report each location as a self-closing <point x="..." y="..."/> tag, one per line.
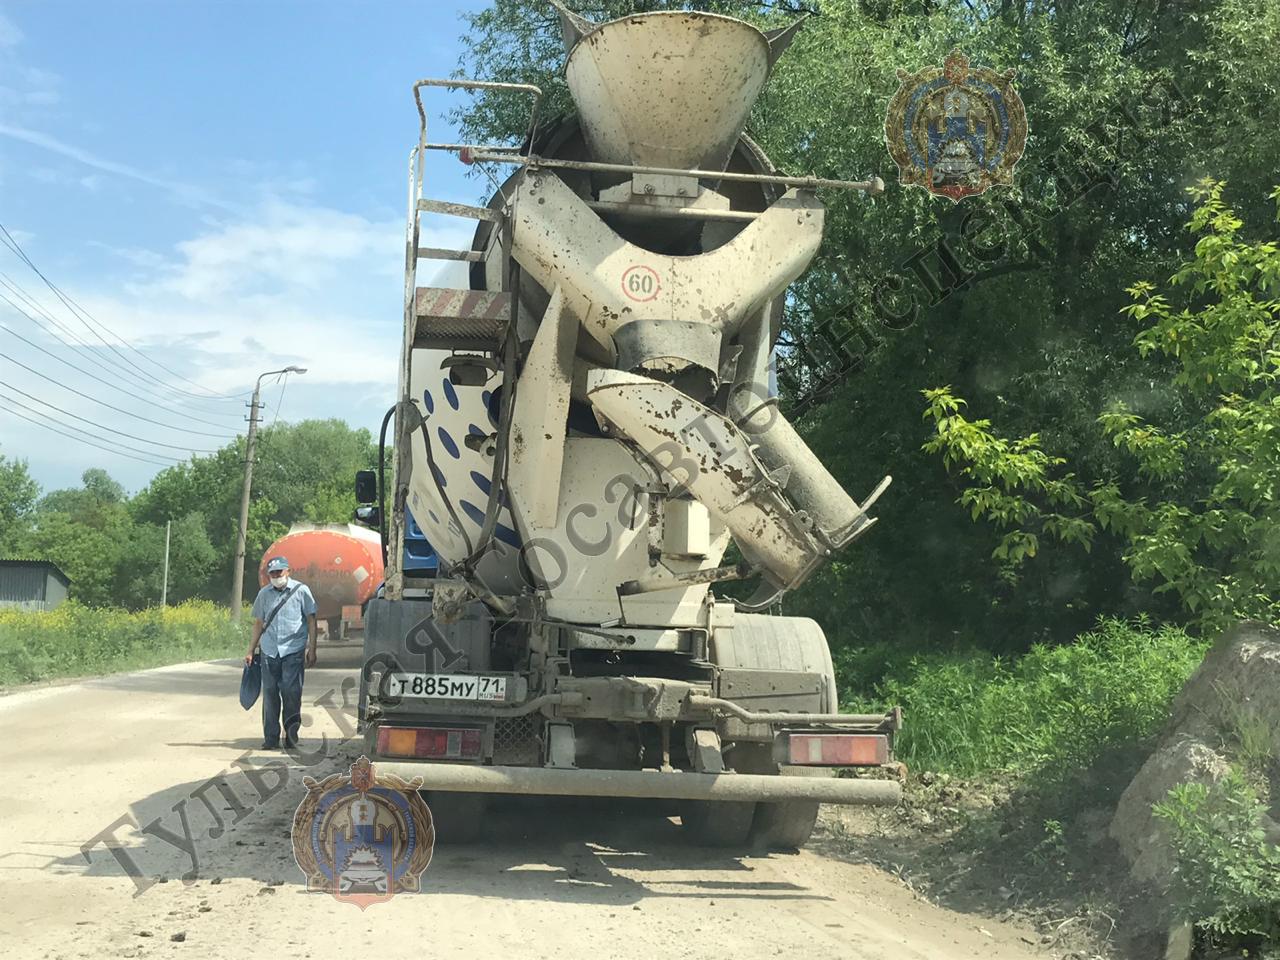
<point x="341" y="564"/>
<point x="583" y="433"/>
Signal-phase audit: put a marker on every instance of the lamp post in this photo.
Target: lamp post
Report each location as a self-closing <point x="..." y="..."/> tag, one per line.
<point x="237" y="570"/>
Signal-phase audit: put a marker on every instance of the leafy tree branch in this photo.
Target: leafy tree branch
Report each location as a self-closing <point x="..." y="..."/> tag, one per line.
<point x="1198" y="515"/>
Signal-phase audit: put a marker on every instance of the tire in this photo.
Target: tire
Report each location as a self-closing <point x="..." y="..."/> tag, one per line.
<point x="457" y="817"/>
<point x="790" y="645"/>
<point x="786" y="825"/>
<point x="718" y="823"/>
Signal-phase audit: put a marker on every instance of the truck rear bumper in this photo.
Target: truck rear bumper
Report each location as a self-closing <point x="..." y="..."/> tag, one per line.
<point x="473" y="778"/>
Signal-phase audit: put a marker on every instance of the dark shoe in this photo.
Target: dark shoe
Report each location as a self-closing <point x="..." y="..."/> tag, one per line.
<point x="291" y="744"/>
<point x="269" y="746"/>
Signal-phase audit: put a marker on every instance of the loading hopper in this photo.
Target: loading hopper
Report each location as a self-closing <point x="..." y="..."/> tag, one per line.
<point x="666" y="89"/>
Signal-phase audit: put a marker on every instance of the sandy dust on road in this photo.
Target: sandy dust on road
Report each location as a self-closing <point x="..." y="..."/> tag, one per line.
<point x="554" y="879"/>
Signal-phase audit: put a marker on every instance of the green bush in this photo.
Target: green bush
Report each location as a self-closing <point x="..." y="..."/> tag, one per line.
<point x="1227" y="877"/>
<point x="968" y="713"/>
<point x="77" y="640"/>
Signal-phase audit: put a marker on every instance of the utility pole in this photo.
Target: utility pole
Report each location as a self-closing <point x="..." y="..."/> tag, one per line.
<point x="237" y="570"/>
<point x="164" y="588"/>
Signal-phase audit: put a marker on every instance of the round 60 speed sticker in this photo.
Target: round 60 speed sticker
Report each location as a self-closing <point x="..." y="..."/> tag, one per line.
<point x="640" y="283"/>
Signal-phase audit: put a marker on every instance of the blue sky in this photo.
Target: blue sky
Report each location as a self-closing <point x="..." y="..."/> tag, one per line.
<point x="222" y="184"/>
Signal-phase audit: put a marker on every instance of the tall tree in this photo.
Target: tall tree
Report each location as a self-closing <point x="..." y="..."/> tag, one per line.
<point x="193" y="563"/>
<point x="18" y="494"/>
<point x="1200" y="517"/>
<point x="86" y="532"/>
<point x="303" y="472"/>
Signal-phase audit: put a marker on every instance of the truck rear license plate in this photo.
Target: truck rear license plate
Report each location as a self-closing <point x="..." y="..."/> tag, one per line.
<point x="446" y="686"/>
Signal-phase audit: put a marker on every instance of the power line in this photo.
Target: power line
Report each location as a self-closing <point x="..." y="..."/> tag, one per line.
<point x="45" y="426"/>
<point x="84" y="316"/>
<point x="113" y="443"/>
<point x="129" y="393"/>
<point x="168" y="426"/>
<point x="100" y="426"/>
<point x="106" y="383"/>
<point x="280" y="401"/>
<point x="16" y="288"/>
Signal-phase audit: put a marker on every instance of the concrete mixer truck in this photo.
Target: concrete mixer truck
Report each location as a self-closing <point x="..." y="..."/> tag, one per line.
<point x="585" y="433"/>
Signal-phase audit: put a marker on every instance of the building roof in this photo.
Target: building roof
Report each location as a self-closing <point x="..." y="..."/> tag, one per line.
<point x="24" y="562"/>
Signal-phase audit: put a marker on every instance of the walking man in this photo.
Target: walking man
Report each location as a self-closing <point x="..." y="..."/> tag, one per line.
<point x="284" y="626"/>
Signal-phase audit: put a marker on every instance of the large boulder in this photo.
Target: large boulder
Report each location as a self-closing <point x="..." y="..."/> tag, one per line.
<point x="1235" y="690"/>
<point x="1237" y="684"/>
<point x="1141" y="836"/>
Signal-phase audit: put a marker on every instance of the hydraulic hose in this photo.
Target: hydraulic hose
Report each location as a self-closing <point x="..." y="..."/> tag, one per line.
<point x="382" y="482"/>
<point x="444" y="498"/>
<point x="498" y="481"/>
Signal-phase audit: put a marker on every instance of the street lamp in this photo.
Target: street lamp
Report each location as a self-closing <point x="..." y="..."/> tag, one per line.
<point x="237" y="571"/>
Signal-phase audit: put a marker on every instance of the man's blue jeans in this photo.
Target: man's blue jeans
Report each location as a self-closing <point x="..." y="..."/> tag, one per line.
<point x="282" y="688"/>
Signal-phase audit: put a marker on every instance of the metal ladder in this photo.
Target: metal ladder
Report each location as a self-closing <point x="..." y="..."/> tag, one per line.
<point x="445" y="317"/>
<point x="473" y="321"/>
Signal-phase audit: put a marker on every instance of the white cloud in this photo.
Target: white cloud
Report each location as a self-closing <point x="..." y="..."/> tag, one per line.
<point x="185" y="192"/>
<point x="21" y="85"/>
<point x="40" y="88"/>
<point x="293" y="283"/>
<point x="13" y="97"/>
<point x="286" y="248"/>
<point x="135" y="255"/>
<point x="10" y="35"/>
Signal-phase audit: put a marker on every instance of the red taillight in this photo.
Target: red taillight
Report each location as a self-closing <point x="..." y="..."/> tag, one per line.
<point x="838" y="749"/>
<point x="436" y="743"/>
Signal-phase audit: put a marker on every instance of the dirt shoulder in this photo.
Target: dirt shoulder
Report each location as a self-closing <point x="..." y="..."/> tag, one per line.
<point x="1001" y="850"/>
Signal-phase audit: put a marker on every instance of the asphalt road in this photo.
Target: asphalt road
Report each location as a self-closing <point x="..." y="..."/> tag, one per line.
<point x="553" y="879"/>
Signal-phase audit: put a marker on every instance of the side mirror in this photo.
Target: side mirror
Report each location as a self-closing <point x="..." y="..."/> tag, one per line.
<point x="366" y="486"/>
<point x="369" y="516"/>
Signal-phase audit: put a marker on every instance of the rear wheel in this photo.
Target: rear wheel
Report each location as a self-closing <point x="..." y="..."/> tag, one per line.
<point x="786" y="825"/>
<point x="717" y="823"/>
<point x="781" y="825"/>
<point x="789" y="645"/>
<point x="457" y="817"/>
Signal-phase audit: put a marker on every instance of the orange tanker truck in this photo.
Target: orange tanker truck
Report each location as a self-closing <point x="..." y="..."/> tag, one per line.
<point x="340" y="562"/>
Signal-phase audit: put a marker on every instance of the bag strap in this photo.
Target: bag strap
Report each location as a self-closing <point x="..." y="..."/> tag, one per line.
<point x="276" y="609"/>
